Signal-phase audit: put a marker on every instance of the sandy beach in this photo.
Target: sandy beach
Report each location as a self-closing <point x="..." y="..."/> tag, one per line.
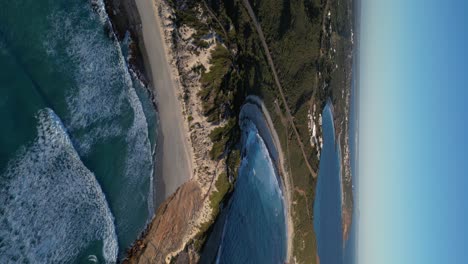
<point x="286" y="182"/>
<point x="173" y="158"/>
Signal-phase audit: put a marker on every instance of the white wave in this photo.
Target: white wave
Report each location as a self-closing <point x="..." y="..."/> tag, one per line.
<point x="101" y="9"/>
<point x="98" y="95"/>
<point x="93" y="259"/>
<point x="140" y="147"/>
<point x="104" y="93"/>
<point x="52" y="206"/>
<point x="254" y="140"/>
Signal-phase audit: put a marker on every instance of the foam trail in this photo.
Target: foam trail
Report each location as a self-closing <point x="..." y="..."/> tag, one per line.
<point x="51" y="205"/>
<point x="252" y="137"/>
<point x="138" y="142"/>
<point x="103" y="95"/>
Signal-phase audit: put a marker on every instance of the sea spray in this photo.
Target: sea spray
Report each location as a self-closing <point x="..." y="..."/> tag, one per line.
<point x="103" y="94"/>
<point x="43" y="189"/>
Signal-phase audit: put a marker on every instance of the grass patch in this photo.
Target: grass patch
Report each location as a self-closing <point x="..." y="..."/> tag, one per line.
<point x="220" y="137"/>
<point x="215" y="89"/>
<point x="233" y="163"/>
<point x="223" y="187"/>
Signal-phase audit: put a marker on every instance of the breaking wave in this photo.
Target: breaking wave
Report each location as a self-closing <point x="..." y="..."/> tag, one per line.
<point x="44" y="189"/>
<point x="102" y="102"/>
<point x="256" y="208"/>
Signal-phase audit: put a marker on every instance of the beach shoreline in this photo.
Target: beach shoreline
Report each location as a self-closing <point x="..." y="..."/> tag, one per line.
<point x="182" y="193"/>
<point x="155" y="70"/>
<point x="173" y="161"/>
<point x="269" y="135"/>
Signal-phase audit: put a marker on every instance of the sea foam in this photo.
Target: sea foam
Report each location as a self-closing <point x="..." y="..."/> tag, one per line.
<point x="103" y="102"/>
<point x="45" y="187"/>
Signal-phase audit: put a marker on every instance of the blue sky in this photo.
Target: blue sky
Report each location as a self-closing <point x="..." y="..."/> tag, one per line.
<point x="413" y="129"/>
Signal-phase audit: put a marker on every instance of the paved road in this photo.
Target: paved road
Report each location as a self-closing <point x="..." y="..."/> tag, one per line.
<point x="278" y="83"/>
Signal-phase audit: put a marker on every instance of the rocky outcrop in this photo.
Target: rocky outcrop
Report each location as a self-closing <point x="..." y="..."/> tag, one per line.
<point x="165" y="235"/>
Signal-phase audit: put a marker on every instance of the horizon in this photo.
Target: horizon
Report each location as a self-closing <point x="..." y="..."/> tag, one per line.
<point x="413" y="118"/>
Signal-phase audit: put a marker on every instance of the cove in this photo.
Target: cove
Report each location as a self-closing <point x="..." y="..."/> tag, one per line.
<point x="251" y="228"/>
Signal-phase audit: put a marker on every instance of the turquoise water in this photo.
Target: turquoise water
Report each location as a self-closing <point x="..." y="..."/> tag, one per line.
<point x="251" y="229"/>
<point x="76" y="139"/>
<point x="327" y="205"/>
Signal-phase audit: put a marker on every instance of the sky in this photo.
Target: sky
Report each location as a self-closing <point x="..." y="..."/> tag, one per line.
<point x="413" y="126"/>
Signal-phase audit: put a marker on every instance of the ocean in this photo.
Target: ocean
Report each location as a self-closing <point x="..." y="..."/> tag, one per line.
<point x="77" y="136"/>
<point x="252" y="227"/>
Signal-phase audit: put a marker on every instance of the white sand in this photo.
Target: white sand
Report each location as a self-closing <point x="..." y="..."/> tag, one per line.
<point x="175" y="160"/>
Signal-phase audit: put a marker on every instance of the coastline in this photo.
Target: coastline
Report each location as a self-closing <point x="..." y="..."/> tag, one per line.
<point x="172" y="135"/>
<point x="141" y="21"/>
<point x="269" y="135"/>
<point x="183" y="205"/>
<point x="339" y="149"/>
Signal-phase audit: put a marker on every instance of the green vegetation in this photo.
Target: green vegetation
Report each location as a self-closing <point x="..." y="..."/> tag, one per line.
<point x="220" y="83"/>
<point x="185" y="15"/>
<point x="220" y="136"/>
<point x="223" y="187"/>
<point x="215" y="93"/>
<point x="233" y="162"/>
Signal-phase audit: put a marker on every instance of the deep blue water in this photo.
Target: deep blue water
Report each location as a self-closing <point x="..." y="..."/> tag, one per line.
<point x="252" y="227"/>
<point x="327" y="205"/>
<point x="77" y="136"/>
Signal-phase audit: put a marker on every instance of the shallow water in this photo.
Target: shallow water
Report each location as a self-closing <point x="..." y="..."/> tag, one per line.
<point x="76" y="145"/>
<point x="251" y="229"/>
